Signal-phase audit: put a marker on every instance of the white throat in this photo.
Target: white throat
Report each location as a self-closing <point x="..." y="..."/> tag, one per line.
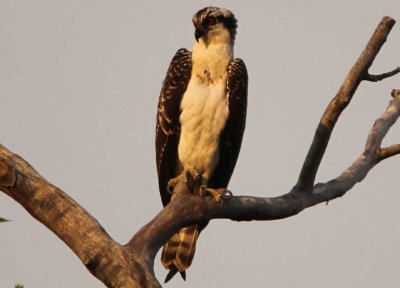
<point x="210" y="60"/>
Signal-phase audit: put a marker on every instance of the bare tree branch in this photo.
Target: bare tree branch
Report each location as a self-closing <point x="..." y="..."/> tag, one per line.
<point x="110" y="262"/>
<point x="131" y="265"/>
<point x="343" y="97"/>
<point x="382" y="126"/>
<point x="389" y="151"/>
<point x="376" y="78"/>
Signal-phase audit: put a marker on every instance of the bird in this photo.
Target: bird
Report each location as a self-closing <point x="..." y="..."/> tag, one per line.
<point x="201" y="119"/>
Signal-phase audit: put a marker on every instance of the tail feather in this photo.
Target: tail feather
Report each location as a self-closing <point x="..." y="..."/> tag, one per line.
<point x="178" y="252"/>
<point x="187" y="246"/>
<point x="169" y="252"/>
<point x="172" y="273"/>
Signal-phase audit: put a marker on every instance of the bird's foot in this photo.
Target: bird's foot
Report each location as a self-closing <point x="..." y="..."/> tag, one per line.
<point x="189" y="176"/>
<point x="172" y="183"/>
<point x="219" y="194"/>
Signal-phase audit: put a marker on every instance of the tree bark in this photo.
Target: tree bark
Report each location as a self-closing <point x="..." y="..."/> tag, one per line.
<point x="131" y="265"/>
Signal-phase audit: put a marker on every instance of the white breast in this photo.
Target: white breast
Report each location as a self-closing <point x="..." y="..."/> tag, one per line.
<point x="204" y="109"/>
<point x="204" y="114"/>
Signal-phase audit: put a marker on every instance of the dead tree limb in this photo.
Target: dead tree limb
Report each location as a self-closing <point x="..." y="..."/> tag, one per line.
<point x="131" y="265"/>
<point x="110" y="262"/>
<point x="357" y="73"/>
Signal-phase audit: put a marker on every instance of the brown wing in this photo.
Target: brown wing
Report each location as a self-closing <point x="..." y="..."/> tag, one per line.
<point x="168" y="126"/>
<point x="232" y="134"/>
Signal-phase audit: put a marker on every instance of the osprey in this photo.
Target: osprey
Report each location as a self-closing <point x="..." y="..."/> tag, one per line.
<point x="200" y="121"/>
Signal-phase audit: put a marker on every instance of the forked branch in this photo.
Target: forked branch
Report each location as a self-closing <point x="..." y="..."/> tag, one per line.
<point x="246" y="208"/>
<point x="357" y="73"/>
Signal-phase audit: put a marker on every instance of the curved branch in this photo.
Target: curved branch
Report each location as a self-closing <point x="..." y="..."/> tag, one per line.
<point x="379" y="77"/>
<point x="110" y="262"/>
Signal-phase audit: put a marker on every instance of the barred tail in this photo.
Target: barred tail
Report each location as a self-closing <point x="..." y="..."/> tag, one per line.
<point x="178" y="252"/>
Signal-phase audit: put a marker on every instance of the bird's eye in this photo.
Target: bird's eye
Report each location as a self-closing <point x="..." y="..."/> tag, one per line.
<point x="210" y="21"/>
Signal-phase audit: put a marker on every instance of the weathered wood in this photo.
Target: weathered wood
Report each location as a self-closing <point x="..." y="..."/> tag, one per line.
<point x="102" y="256"/>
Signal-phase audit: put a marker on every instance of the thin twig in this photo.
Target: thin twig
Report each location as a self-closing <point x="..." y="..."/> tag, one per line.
<point x="389" y="151"/>
<point x="379" y="77"/>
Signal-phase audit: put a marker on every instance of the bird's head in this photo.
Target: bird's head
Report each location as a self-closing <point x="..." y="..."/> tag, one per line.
<point x="215" y="24"/>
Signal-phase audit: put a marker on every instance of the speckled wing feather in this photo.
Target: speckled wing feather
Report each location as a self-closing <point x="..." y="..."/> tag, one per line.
<point x="232" y="134"/>
<point x="168" y="126"/>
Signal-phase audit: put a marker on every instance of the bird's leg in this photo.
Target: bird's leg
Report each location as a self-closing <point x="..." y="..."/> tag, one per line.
<point x="192" y="180"/>
<point x="219" y="194"/>
<point x="189" y="176"/>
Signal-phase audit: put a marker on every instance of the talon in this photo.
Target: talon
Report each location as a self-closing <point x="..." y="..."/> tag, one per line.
<point x="170" y="189"/>
<point x="203" y="190"/>
<point x="171" y="185"/>
<point x="228" y="194"/>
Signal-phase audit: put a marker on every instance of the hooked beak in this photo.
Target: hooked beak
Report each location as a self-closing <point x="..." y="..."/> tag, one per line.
<point x="199" y="33"/>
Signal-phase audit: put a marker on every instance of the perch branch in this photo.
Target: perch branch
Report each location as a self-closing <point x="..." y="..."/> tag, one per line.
<point x="187" y="208"/>
<point x="343" y="97"/>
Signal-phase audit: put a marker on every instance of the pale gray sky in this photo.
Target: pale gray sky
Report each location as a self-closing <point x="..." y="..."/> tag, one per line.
<point x="79" y="85"/>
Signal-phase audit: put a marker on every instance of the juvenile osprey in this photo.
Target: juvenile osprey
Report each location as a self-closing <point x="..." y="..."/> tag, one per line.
<point x="201" y="119"/>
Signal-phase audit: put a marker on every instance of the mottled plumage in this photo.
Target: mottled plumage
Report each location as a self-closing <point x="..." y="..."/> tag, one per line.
<point x="201" y="119"/>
